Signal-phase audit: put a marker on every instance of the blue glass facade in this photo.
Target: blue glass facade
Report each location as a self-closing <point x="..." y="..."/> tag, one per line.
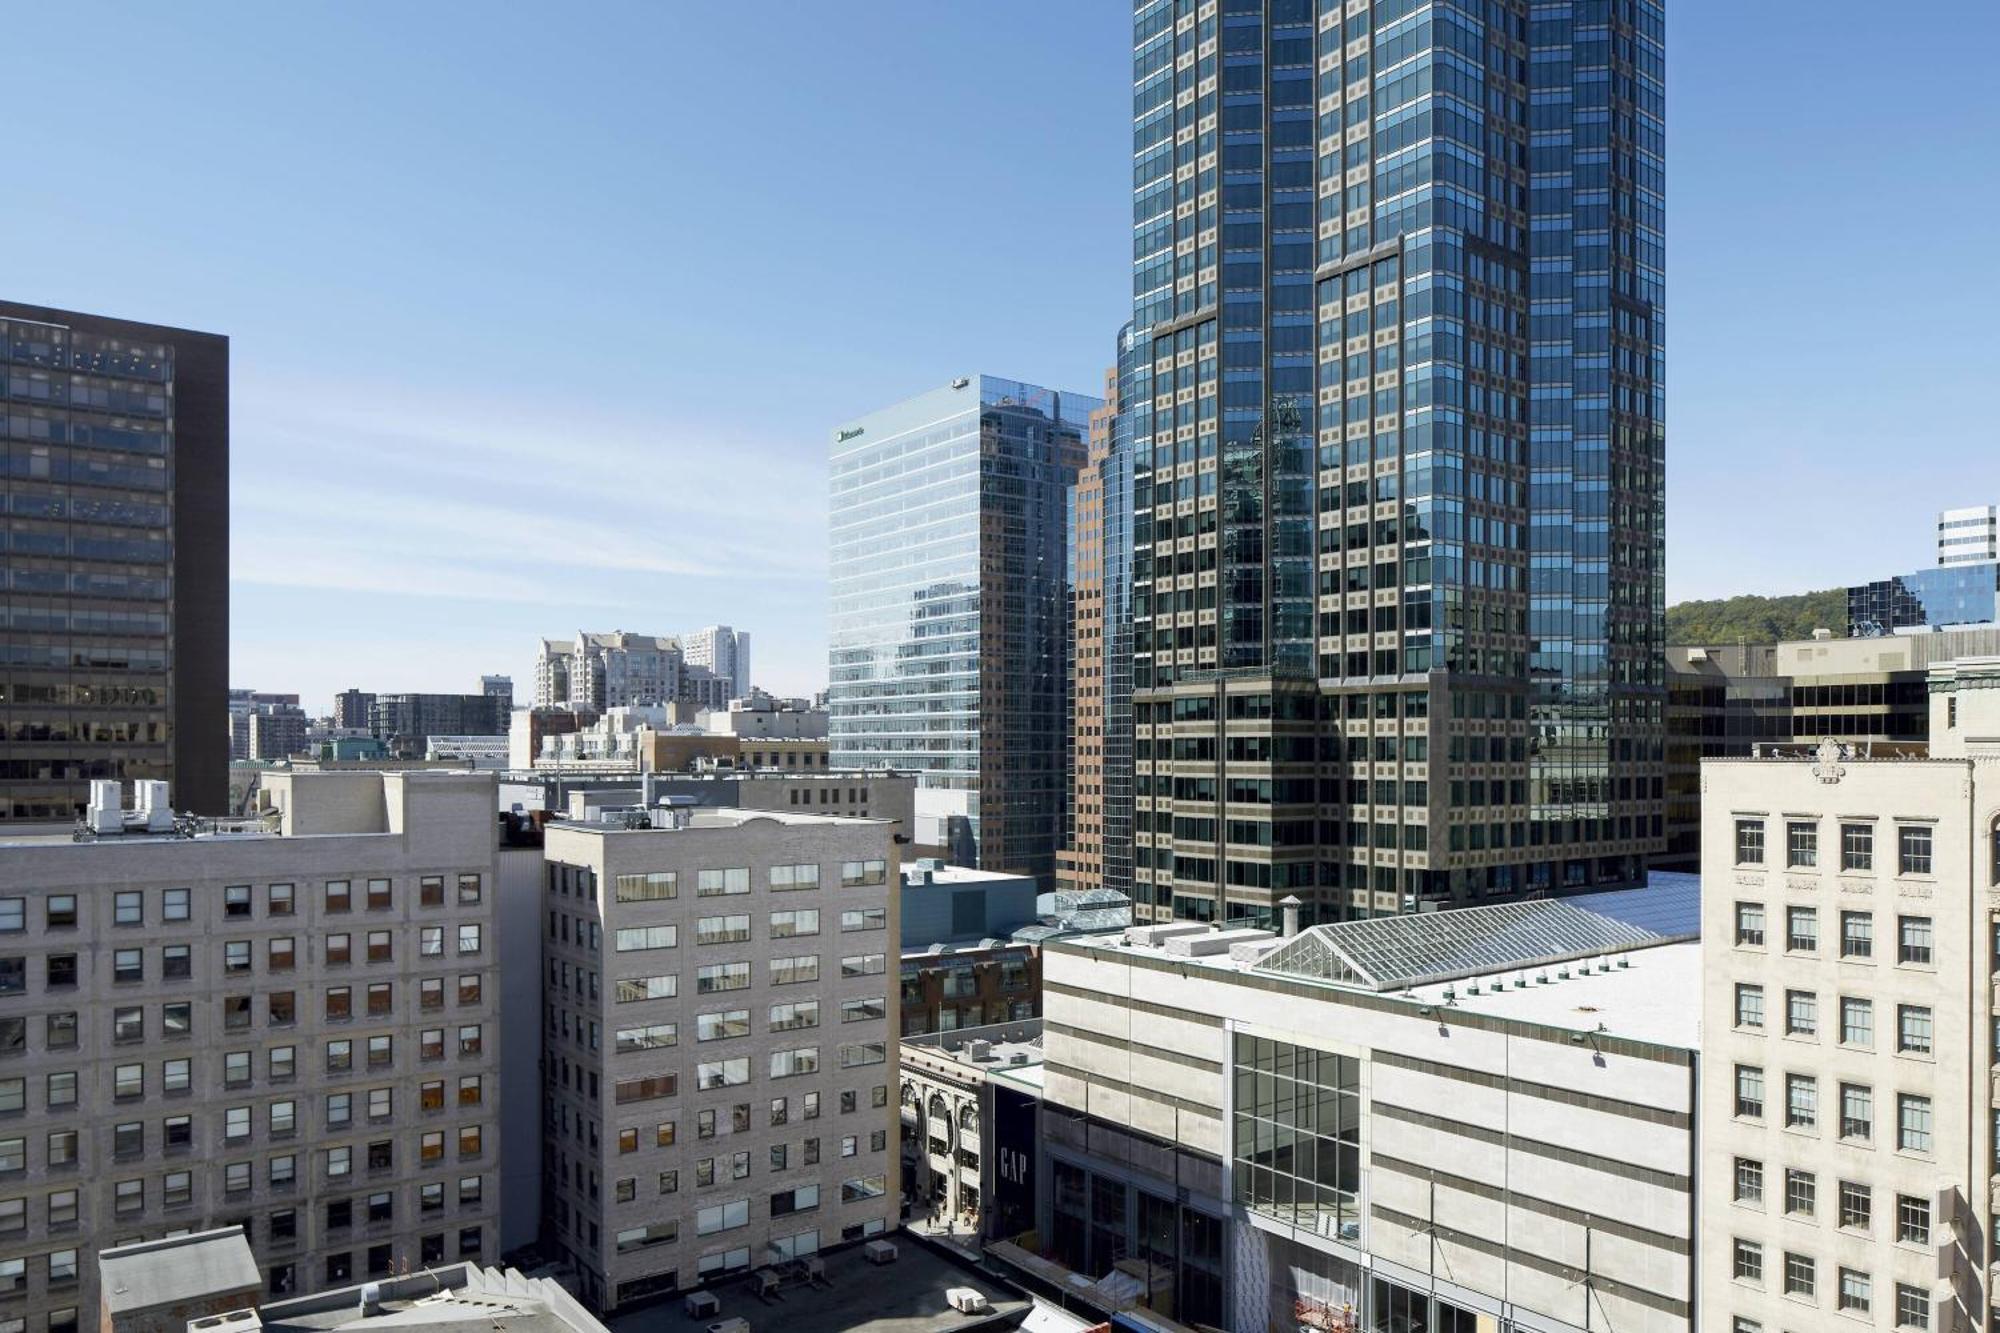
<point x="949" y="630"/>
<point x="1928" y="599"/>
<point x="1400" y="554"/>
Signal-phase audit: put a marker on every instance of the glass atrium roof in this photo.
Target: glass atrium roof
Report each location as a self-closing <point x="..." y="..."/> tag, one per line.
<point x="1395" y="952"/>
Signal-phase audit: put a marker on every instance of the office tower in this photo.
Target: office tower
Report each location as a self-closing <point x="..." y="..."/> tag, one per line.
<point x="1969" y="536"/>
<point x="724" y="651"/>
<point x="292" y="1025"/>
<point x="1943" y="596"/>
<point x="1399" y="548"/>
<point x="1850" y="944"/>
<point x="498" y="687"/>
<point x="354" y="710"/>
<point x="1098" y="851"/>
<point x="950" y="623"/>
<point x="745" y="1111"/>
<point x="113" y="662"/>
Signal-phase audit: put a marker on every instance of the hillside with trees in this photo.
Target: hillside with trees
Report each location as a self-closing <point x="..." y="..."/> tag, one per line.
<point x="1758" y="619"/>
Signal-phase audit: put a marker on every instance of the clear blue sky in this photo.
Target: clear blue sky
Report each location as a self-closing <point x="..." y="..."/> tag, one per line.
<point x="541" y="315"/>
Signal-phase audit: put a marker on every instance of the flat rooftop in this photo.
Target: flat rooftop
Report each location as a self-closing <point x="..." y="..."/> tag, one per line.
<point x="1650" y="994"/>
<point x="907" y="1296"/>
<point x="705" y="817"/>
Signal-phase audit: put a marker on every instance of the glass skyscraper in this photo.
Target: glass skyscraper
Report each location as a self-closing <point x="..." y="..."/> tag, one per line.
<point x="949" y="639"/>
<point x="1399" y="528"/>
<point x="114" y="561"/>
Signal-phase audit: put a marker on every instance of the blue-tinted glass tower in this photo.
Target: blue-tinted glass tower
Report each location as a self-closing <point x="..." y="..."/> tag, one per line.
<point x="1398" y="557"/>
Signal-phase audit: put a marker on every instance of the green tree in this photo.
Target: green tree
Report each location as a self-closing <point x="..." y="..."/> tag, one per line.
<point x="1750" y="619"/>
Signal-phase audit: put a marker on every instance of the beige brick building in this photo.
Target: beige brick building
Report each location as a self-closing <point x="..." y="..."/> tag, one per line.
<point x="719" y="1037"/>
<point x="290" y="1027"/>
<point x="1851" y="909"/>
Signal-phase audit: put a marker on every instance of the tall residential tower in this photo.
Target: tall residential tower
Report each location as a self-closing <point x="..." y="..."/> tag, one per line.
<point x="114" y="476"/>
<point x="1399" y="522"/>
<point x="950" y="625"/>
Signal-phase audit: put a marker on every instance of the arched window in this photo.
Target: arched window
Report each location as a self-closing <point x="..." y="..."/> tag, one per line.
<point x="968" y="1117"/>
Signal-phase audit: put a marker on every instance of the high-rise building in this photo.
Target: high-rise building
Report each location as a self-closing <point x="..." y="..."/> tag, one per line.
<point x="1098" y="850"/>
<point x="498" y="687"/>
<point x="1850" y="1118"/>
<point x="243" y="704"/>
<point x="950" y="623"/>
<point x="292" y="1024"/>
<point x="406" y="721"/>
<point x="621" y="670"/>
<point x="276" y="731"/>
<point x="724" y="651"/>
<point x="1969" y="536"/>
<point x="113" y="661"/>
<point x="1399" y="507"/>
<point x="747" y="1109"/>
<point x="1940" y="597"/>
<point x="354" y="710"/>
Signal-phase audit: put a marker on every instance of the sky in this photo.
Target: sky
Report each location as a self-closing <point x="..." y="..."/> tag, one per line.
<point x="541" y="316"/>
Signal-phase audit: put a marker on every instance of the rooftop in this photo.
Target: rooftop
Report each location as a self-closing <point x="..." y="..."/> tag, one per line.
<point x="997" y="1048"/>
<point x="907" y="1296"/>
<point x="176" y="1270"/>
<point x="1626" y="962"/>
<point x="678" y="818"/>
<point x="480" y="1300"/>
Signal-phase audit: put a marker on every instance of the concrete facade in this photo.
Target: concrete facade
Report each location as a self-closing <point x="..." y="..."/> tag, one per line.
<point x="1850" y="923"/>
<point x="294" y="1030"/>
<point x="1488" y="1156"/>
<point x="720" y="1053"/>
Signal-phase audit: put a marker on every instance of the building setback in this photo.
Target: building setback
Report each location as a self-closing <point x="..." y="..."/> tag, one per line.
<point x="719" y="1045"/>
<point x="949" y="652"/>
<point x="1400" y="452"/>
<point x="292" y="1029"/>
<point x="113" y="661"/>
<point x="1848" y="1094"/>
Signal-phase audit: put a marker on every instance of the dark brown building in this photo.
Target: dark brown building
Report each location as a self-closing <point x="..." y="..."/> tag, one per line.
<point x="114" y="651"/>
<point x="969" y="986"/>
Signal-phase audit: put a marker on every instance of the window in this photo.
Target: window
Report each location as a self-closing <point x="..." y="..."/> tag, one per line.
<point x="1857" y="1021"/>
<point x="13" y="915"/>
<point x="128" y="1024"/>
<point x="795" y="971"/>
<point x="430" y="1146"/>
<point x="471" y="1039"/>
<point x="1857" y="1204"/>
<point x="381" y="998"/>
<point x="13" y="1094"/>
<point x="236" y="900"/>
<point x="13" y="1155"/>
<point x="1913" y="1122"/>
<point x="856" y="874"/>
<point x="722" y="1217"/>
<point x="1801" y="844"/>
<point x="1750" y="924"/>
<point x="469" y="938"/>
<point x="235" y="1068"/>
<point x="280" y="954"/>
<point x="791" y="1017"/>
<point x="791" y="1063"/>
<point x="864" y="1010"/>
<point x="791" y="924"/>
<point x="469" y="891"/>
<point x="1857" y="1111"/>
<point x="279" y="900"/>
<point x="340" y="948"/>
<point x="62" y="1143"/>
<point x="339" y="1003"/>
<point x="784" y="878"/>
<point x="128" y="965"/>
<point x="235" y="956"/>
<point x="722" y="883"/>
<point x="1857" y="935"/>
<point x="857" y="1054"/>
<point x="1913" y="940"/>
<point x="1801" y="929"/>
<point x="723" y="1073"/>
<point x="722" y="1025"/>
<point x="1801" y="1101"/>
<point x="1801" y="1013"/>
<point x="129" y="1196"/>
<point x="174" y="905"/>
<point x="631" y="939"/>
<point x="651" y="1037"/>
<point x="715" y="977"/>
<point x="800" y="1199"/>
<point x="731" y="929"/>
<point x="381" y="947"/>
<point x="630" y="990"/>
<point x="1913" y="849"/>
<point x="1801" y="1193"/>
<point x="61" y="973"/>
<point x="863" y="965"/>
<point x="177" y="1131"/>
<point x="1913" y="1220"/>
<point x="176" y="1187"/>
<point x="862" y="1187"/>
<point x="174" y="1075"/>
<point x="1749" y="1180"/>
<point x="1857" y="846"/>
<point x="1913" y="1306"/>
<point x="430" y="1044"/>
<point x="127" y="909"/>
<point x="654" y="887"/>
<point x="866" y="918"/>
<point x="1749" y="842"/>
<point x="129" y="1081"/>
<point x="339" y="896"/>
<point x="381" y="1051"/>
<point x="1857" y="1292"/>
<point x="1913" y="1029"/>
<point x="1801" y="1275"/>
<point x="380" y="897"/>
<point x="62" y="1087"/>
<point x="62" y="1266"/>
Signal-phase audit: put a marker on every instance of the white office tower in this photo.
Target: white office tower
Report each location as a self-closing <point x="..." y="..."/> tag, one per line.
<point x="1969" y="536"/>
